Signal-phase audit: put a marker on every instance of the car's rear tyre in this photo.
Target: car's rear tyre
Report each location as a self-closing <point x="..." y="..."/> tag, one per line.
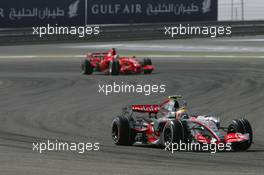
<point x="173" y="132"/>
<point x="147" y="71"/>
<point x="242" y="126"/>
<point x="114" y="67"/>
<point x="147" y="61"/>
<point x="87" y="67"/>
<point x="122" y="134"/>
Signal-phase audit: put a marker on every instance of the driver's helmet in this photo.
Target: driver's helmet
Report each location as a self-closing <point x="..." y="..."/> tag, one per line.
<point x="112" y="52"/>
<point x="180" y="107"/>
<point x="183" y="106"/>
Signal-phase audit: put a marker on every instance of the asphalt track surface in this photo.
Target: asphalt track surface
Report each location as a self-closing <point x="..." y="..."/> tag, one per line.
<point x="47" y="98"/>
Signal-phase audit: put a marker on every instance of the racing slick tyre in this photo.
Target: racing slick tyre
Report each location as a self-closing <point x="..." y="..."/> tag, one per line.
<point x="114" y="67"/>
<point x="242" y="126"/>
<point x="147" y="71"/>
<point x="122" y="134"/>
<point x="173" y="132"/>
<point x="146" y="62"/>
<point x="149" y="61"/>
<point x="87" y="67"/>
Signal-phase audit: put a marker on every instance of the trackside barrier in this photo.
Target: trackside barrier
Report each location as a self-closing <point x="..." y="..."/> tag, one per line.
<point x="127" y="32"/>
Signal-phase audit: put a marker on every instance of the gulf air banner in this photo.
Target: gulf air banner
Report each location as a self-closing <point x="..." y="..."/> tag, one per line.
<point x="154" y="11"/>
<point x="28" y="13"/>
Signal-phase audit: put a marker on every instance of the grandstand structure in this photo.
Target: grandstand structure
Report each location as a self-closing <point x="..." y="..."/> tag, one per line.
<point x="240" y="10"/>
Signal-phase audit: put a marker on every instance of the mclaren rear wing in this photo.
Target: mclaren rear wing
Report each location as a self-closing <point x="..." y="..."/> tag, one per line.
<point x="146" y="108"/>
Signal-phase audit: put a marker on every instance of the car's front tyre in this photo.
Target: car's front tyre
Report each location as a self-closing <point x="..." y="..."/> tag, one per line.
<point x="241" y="126"/>
<point x="146" y="62"/>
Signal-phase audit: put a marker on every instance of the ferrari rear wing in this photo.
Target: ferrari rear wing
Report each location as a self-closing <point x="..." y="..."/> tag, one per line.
<point x="96" y="54"/>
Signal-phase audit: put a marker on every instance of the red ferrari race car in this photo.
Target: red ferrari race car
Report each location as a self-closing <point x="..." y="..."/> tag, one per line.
<point x="170" y="123"/>
<point x="110" y="63"/>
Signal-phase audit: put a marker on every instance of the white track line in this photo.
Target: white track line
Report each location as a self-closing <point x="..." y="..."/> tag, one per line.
<point x="40" y="56"/>
<point x="153" y="56"/>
